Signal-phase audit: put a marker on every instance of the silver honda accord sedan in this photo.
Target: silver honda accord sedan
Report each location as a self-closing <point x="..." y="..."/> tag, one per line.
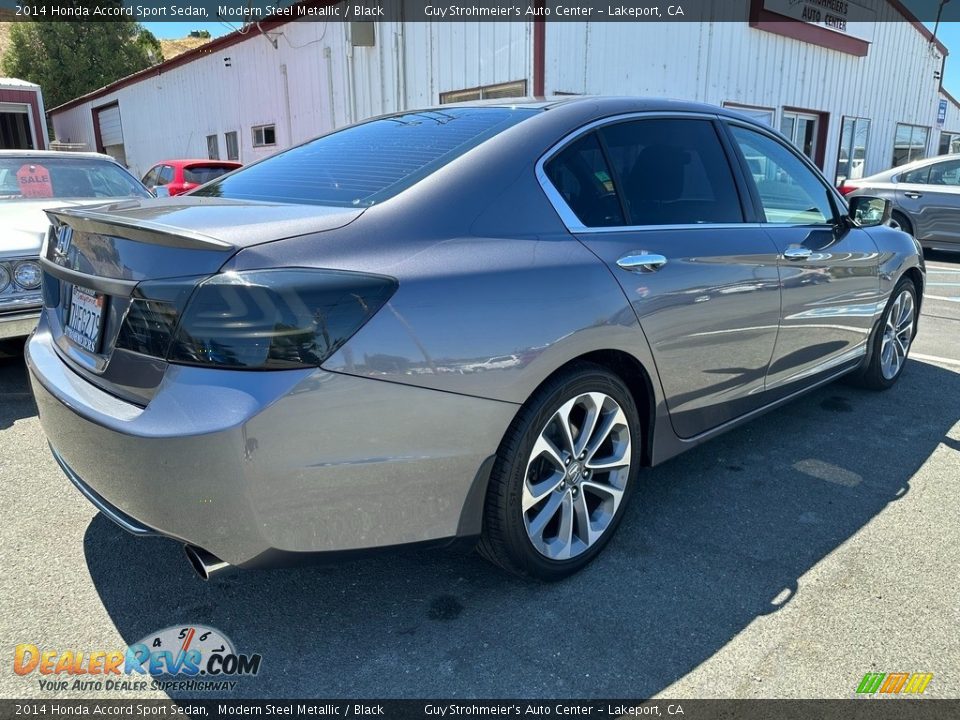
<point x="475" y="322"/>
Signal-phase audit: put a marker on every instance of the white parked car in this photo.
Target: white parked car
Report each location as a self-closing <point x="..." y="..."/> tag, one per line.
<point x="32" y="181"/>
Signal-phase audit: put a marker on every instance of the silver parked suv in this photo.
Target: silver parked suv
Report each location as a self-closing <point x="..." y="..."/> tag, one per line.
<point x="472" y="321"/>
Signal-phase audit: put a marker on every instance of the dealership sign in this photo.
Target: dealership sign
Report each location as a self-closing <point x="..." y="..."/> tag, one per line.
<point x="840" y="16"/>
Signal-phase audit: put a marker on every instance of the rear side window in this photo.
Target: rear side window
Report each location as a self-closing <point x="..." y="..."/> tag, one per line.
<point x="580" y="174"/>
<point x="673" y="171"/>
<point x="919" y="175"/>
<point x="203" y="173"/>
<point x="368" y="163"/>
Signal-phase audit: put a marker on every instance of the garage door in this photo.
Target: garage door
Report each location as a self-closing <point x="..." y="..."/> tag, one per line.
<point x="111" y="133"/>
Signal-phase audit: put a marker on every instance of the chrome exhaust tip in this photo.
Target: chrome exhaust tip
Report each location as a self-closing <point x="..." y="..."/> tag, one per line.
<point x="204" y="563"/>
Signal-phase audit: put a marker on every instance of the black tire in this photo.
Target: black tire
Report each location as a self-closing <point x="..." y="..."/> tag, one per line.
<point x="505" y="540"/>
<point x="902" y="221"/>
<point x="872" y="376"/>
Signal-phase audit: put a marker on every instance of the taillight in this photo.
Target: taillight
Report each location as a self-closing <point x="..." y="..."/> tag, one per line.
<point x="846" y="189"/>
<point x="259" y="319"/>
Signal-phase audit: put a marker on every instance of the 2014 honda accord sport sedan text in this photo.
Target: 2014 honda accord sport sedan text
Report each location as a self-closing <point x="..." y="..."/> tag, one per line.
<point x="465" y="322"/>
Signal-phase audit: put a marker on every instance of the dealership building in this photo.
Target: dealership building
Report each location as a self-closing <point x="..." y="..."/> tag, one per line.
<point x="856" y="85"/>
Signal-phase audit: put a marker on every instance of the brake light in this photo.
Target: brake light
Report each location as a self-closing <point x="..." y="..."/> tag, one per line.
<point x="253" y="320"/>
<point x="846" y="189"/>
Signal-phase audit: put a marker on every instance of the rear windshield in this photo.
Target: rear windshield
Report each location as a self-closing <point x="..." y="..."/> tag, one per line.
<point x="66" y="177"/>
<point x="204" y="173"/>
<point x="367" y="163"/>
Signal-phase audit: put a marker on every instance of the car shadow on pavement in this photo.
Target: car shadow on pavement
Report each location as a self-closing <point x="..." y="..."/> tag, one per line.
<point x="713" y="540"/>
<point x="16" y="400"/>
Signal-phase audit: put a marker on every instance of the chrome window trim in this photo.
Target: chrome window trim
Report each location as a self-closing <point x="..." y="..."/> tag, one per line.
<point x="570" y="219"/>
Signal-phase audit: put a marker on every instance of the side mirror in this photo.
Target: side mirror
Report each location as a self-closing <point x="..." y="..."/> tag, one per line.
<point x="867" y="211"/>
<point x="161" y="191"/>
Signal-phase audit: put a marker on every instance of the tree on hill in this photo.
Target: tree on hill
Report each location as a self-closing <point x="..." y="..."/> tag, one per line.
<point x="69" y="59"/>
<point x="202" y="34"/>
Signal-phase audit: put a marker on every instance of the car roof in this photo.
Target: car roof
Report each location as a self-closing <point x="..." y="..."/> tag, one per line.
<point x="56" y="154"/>
<point x="196" y="161"/>
<point x="602" y="103"/>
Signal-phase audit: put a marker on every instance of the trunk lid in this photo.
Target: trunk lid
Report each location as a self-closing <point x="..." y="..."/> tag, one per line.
<point x="96" y="258"/>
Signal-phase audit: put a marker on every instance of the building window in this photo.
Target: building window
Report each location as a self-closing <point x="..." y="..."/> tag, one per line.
<point x="949" y="143"/>
<point x="854" y="134"/>
<point x="486" y="92"/>
<point x="801" y="129"/>
<point x="264" y="135"/>
<point x="909" y="143"/>
<point x="213" y="147"/>
<point x="760" y="114"/>
<point x="233" y="147"/>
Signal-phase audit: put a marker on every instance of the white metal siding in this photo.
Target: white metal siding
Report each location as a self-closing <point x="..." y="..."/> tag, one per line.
<point x="307" y="79"/>
<point x="733" y="62"/>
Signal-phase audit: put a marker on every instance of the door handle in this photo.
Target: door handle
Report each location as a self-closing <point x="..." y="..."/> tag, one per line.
<point x="912" y="195"/>
<point x="797" y="253"/>
<point x="642" y="262"/>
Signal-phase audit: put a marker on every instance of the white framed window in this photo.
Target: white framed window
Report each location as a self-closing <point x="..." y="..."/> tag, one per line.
<point x="213" y="147"/>
<point x="517" y="88"/>
<point x="854" y="135"/>
<point x="949" y="143"/>
<point x="264" y="135"/>
<point x="801" y="129"/>
<point x="233" y="145"/>
<point x="910" y="143"/>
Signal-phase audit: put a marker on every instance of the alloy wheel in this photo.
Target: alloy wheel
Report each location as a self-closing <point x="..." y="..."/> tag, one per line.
<point x="897" y="334"/>
<point x="576" y="475"/>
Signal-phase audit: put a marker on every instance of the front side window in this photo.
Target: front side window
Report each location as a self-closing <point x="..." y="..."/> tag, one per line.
<point x="853" y="148"/>
<point x="150" y="179"/>
<point x="580" y="174"/>
<point x="673" y="171"/>
<point x="945" y="173"/>
<point x="789" y="191"/>
<point x="166" y="175"/>
<point x="365" y="164"/>
<point x="909" y="143"/>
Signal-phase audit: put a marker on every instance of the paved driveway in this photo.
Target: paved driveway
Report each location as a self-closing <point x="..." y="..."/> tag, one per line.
<point x="785" y="559"/>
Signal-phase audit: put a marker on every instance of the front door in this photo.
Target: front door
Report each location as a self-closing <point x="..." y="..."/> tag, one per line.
<point x="660" y="206"/>
<point x="828" y="270"/>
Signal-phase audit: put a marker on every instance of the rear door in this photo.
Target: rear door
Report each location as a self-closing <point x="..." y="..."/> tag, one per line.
<point x="931" y="197"/>
<point x="829" y="270"/>
<point x="656" y="198"/>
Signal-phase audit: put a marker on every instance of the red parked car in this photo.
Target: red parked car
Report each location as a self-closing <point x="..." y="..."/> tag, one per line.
<point x="179" y="176"/>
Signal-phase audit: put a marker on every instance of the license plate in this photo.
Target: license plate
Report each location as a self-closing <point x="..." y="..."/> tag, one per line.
<point x="86" y="318"/>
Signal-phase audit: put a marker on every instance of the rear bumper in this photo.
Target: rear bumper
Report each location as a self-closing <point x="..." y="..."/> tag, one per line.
<point x="259" y="466"/>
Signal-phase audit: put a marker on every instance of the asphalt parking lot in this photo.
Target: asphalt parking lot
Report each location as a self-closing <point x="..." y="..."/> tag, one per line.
<point x="785" y="559"/>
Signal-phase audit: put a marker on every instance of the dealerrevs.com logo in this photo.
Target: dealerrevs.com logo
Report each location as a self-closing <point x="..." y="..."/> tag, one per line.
<point x="889" y="684"/>
<point x="181" y="658"/>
